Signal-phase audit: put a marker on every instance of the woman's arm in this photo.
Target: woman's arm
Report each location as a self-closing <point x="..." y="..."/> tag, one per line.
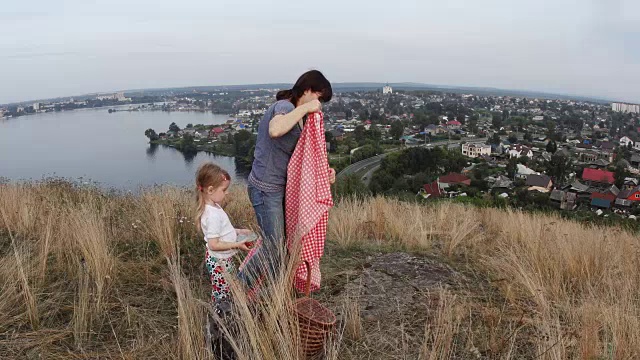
<point x="282" y="124"/>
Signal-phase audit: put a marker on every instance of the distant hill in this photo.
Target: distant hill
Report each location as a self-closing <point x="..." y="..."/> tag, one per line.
<point x="344" y="87"/>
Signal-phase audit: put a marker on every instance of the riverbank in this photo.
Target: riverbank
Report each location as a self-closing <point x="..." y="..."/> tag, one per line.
<point x="212" y="147"/>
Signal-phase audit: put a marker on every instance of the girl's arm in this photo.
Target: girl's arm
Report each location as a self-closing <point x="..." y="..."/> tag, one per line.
<point x="282" y="124"/>
<point x="215" y="244"/>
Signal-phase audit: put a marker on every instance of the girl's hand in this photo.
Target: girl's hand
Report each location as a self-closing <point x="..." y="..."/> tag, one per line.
<point x="313" y="106"/>
<point x="243" y="247"/>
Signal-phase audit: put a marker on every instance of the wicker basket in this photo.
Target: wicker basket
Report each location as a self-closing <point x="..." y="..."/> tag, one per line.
<point x="315" y="321"/>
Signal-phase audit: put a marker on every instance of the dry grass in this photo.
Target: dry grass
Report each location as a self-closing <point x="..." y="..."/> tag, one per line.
<point x="89" y="275"/>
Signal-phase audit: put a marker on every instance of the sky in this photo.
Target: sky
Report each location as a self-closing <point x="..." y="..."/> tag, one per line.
<point x="51" y="48"/>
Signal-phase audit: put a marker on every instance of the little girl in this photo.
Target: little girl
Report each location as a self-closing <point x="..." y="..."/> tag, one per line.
<point x="220" y="236"/>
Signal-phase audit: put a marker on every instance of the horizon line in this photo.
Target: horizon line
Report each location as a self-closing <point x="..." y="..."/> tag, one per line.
<point x="439" y="87"/>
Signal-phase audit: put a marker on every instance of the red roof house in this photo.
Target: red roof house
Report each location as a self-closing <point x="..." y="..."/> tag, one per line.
<point x="454" y="179"/>
<point x="454" y="123"/>
<point x="609" y="197"/>
<point x="432" y="190"/>
<point x="597" y="175"/>
<point x="631" y="194"/>
<point x="216" y="131"/>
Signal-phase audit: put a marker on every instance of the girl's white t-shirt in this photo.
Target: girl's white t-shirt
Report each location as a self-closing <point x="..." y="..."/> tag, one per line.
<point x="216" y="224"/>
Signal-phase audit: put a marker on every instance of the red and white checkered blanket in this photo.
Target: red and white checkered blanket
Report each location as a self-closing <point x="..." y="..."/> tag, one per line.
<point x="308" y="199"/>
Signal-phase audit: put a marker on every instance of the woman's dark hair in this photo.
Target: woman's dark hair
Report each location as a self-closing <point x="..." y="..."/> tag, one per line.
<point x="311" y="80"/>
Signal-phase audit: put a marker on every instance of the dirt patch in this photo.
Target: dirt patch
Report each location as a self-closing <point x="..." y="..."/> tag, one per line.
<point x="397" y="293"/>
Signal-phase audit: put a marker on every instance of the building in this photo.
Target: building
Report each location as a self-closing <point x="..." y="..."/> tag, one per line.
<point x="215" y="132"/>
<point x="36" y="106"/>
<point x="597" y="176"/>
<point x="453" y="179"/>
<point x="117" y="96"/>
<point x="626" y="108"/>
<point x="431" y="190"/>
<point x="541" y="183"/>
<point x="538" y="118"/>
<point x="387" y="89"/>
<point x="454" y="124"/>
<point x="563" y="199"/>
<point x="476" y="150"/>
<point x="520" y="150"/>
<point x="625" y="141"/>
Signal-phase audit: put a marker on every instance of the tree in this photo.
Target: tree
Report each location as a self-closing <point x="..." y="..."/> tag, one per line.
<point x="173" y="127"/>
<point x="620" y="174"/>
<point x="189" y="126"/>
<point x="151" y="134"/>
<point x="494" y="140"/>
<point x="558" y="168"/>
<point x="373" y="134"/>
<point x="552" y="147"/>
<point x="512" y="139"/>
<point x="364" y="152"/>
<point x="512" y="167"/>
<point x="187" y="145"/>
<point x="350" y="186"/>
<point x="358" y="134"/>
<point x="397" y="129"/>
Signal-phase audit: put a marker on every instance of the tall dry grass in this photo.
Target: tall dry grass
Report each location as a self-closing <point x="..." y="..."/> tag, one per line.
<point x="89" y="274"/>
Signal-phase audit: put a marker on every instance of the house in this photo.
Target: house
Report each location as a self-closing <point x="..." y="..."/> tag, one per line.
<point x="431" y="190"/>
<point x="476" y="150"/>
<point x="608" y="196"/>
<point x="453" y="179"/>
<point x="199" y="134"/>
<point x="541" y="183"/>
<point x="523" y="171"/>
<point x="563" y="199"/>
<point x="607" y="146"/>
<point x="597" y="177"/>
<point x="453" y="124"/>
<point x="578" y="188"/>
<point x="520" y="150"/>
<point x="499" y="183"/>
<point x="431" y="129"/>
<point x="625" y="141"/>
<point x="215" y="132"/>
<point x="630" y="183"/>
<point x="635" y="161"/>
<point x="538" y="118"/>
<point x="337" y="134"/>
<point x="600" y="203"/>
<point x="631" y="195"/>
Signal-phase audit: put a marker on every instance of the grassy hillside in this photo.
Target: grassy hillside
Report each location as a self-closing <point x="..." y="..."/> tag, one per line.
<point x="87" y="274"/>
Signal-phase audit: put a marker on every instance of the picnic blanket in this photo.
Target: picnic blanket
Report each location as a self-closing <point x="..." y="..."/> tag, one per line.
<point x="308" y="200"/>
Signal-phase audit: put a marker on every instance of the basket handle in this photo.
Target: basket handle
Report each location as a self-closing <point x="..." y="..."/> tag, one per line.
<point x="307" y="288"/>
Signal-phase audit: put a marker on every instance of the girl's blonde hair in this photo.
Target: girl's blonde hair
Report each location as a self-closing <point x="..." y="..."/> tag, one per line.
<point x="209" y="174"/>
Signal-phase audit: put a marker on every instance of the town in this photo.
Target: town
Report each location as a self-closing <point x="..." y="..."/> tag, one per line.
<point x="526" y="151"/>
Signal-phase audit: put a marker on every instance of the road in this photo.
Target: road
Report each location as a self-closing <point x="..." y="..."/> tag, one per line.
<point x="366" y="167"/>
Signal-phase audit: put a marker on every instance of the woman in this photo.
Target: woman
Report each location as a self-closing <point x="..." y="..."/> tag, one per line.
<point x="278" y="134"/>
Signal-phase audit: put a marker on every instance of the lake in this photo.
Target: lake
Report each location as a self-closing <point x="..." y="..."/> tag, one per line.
<point x="109" y="150"/>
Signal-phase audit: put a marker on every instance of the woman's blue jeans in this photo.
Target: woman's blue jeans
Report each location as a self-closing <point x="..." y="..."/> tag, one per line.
<point x="269" y="209"/>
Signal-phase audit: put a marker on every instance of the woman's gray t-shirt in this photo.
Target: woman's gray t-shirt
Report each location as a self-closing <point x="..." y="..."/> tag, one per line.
<point x="272" y="155"/>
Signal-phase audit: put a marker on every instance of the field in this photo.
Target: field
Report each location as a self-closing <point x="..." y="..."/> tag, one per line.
<point x="91" y="274"/>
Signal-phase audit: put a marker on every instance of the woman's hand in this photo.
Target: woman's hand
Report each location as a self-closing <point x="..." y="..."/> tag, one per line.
<point x="313" y="106"/>
<point x="332" y="175"/>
